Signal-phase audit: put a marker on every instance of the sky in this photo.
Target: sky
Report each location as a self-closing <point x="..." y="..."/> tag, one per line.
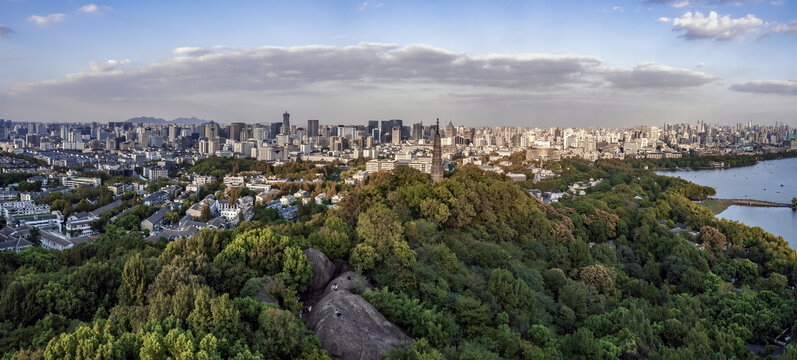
<point x="476" y="63"/>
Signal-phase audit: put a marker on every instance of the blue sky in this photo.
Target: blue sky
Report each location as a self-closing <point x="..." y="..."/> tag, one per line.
<point x="528" y="63"/>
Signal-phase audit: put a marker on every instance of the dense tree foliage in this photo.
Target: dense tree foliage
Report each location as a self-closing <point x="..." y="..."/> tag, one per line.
<point x="219" y="167"/>
<point x="77" y="199"/>
<point x="472" y="268"/>
<point x="8" y="178"/>
<point x="597" y="276"/>
<point x="703" y="162"/>
<point x="122" y="297"/>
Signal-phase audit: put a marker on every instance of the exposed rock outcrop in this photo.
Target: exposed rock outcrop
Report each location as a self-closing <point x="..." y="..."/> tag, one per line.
<point x="350" y="282"/>
<point x="351" y="328"/>
<point x="323" y="269"/>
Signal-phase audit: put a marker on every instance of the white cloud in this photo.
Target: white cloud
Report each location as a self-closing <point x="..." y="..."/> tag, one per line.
<point x="652" y="75"/>
<point x="777" y="2"/>
<point x="786" y="28"/>
<point x="788" y="87"/>
<point x="47" y="20"/>
<point x="681" y="4"/>
<point x="190" y="51"/>
<point x="674" y="3"/>
<point x="369" y="5"/>
<point x="108" y="65"/>
<point x="698" y="26"/>
<point x="367" y="79"/>
<point x="89" y="8"/>
<point x="684" y="3"/>
<point x="664" y="19"/>
<point x="365" y="64"/>
<point x="5" y="32"/>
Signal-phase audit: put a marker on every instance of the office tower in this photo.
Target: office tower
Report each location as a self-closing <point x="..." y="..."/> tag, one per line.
<point x="400" y="124"/>
<point x="32" y="140"/>
<point x="404" y="131"/>
<point x="347" y="131"/>
<point x="110" y="143"/>
<point x="283" y="140"/>
<point x="172" y="132"/>
<point x="384" y="128"/>
<point x="235" y="131"/>
<point x="437" y="156"/>
<point x="372" y="124"/>
<point x="312" y="128"/>
<point x="286" y="123"/>
<point x="450" y="130"/>
<point x="260" y="133"/>
<point x="275" y="130"/>
<point x="211" y="131"/>
<point x="417" y="131"/>
<point x="396" y="135"/>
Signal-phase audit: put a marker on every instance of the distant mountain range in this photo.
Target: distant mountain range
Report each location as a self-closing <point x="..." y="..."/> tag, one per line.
<point x="159" y="121"/>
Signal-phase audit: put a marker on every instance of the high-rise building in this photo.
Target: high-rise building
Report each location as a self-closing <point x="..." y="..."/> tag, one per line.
<point x="275" y="130"/>
<point x="110" y="143"/>
<point x="437" y="157"/>
<point x="450" y="130"/>
<point x="384" y="129"/>
<point x="286" y="123"/>
<point x="211" y="131"/>
<point x="417" y="131"/>
<point x="32" y="140"/>
<point x="172" y="132"/>
<point x="312" y="128"/>
<point x="260" y="133"/>
<point x="235" y="131"/>
<point x="203" y="145"/>
<point x="372" y="124"/>
<point x="396" y="135"/>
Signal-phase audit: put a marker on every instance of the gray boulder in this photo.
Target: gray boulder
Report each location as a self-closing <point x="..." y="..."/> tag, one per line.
<point x="350" y="282"/>
<point x="351" y="328"/>
<point x="323" y="269"/>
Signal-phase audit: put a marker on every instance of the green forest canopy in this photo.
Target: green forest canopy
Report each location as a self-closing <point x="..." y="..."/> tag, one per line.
<point x="472" y="268"/>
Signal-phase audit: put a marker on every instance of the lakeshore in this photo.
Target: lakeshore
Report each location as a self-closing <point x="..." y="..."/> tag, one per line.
<point x="717" y="206"/>
<point x="757" y="195"/>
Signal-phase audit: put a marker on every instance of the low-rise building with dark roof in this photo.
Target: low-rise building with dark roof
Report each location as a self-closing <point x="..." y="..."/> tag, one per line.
<point x="15" y="245"/>
<point x="99" y="211"/>
<point x="14" y="239"/>
<point x="54" y="240"/>
<point x="155" y="220"/>
<point x="156" y="198"/>
<point x="218" y="223"/>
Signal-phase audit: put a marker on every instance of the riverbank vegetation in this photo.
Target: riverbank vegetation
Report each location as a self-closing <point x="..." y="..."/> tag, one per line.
<point x="704" y="161"/>
<point x="472" y="268"/>
<point x="716" y="206"/>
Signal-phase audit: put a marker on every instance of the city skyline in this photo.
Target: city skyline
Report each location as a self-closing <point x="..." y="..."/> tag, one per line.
<point x="602" y="64"/>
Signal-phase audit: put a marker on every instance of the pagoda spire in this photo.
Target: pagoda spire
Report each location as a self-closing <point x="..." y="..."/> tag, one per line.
<point x="437" y="156"/>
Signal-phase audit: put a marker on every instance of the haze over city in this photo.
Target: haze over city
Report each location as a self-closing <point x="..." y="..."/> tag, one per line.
<point x="521" y="63"/>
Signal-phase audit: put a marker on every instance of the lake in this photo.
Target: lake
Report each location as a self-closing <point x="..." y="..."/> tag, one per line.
<point x="774" y="180"/>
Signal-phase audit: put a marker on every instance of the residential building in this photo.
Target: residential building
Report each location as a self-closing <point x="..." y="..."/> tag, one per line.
<point x="76" y="182"/>
<point x="157" y="198"/>
<point x="23" y="208"/>
<point x="373" y="166"/>
<point x="155" y="220"/>
<point x="79" y="224"/>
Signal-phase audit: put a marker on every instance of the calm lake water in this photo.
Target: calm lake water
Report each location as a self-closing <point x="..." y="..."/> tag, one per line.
<point x="774" y="180"/>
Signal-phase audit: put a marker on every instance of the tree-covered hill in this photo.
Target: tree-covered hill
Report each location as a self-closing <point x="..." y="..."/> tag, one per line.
<point x="471" y="268"/>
